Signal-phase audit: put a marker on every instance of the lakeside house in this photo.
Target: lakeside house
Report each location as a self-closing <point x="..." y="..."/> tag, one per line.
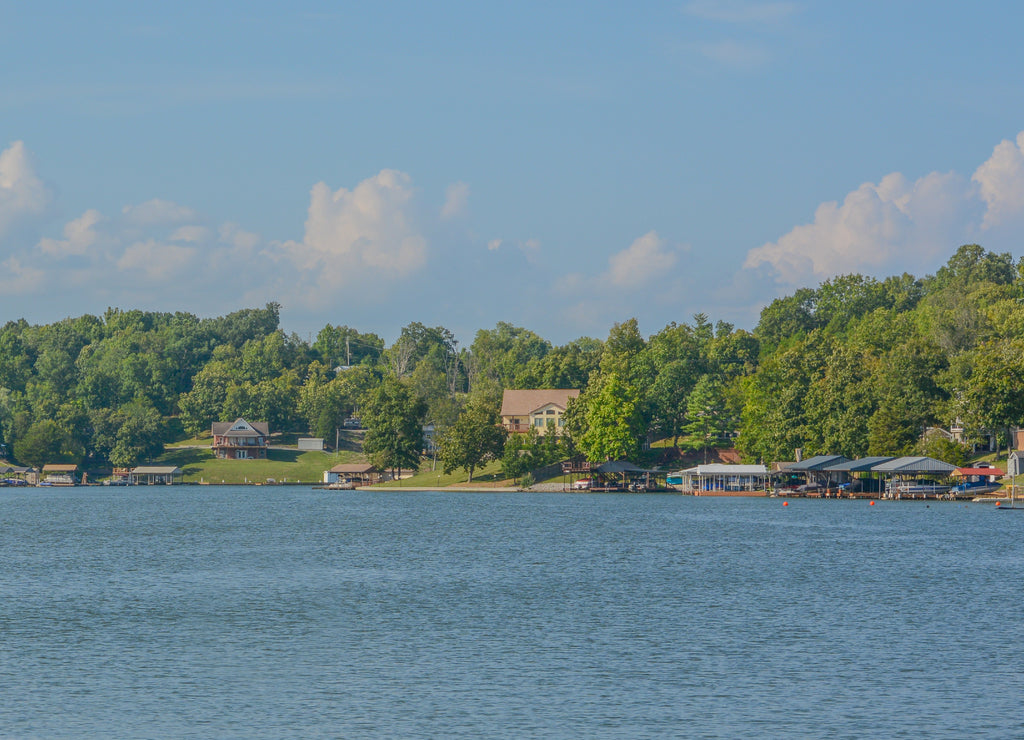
<point x="535" y="408"/>
<point x="240" y="440"/>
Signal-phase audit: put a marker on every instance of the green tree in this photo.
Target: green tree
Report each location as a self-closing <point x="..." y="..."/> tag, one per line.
<point x="707" y="412"/>
<point x="204" y="404"/>
<point x="43" y="443"/>
<point x="992" y="398"/>
<point x="612" y="420"/>
<point x="140" y="434"/>
<point x="476" y="436"/>
<point x="393" y="419"/>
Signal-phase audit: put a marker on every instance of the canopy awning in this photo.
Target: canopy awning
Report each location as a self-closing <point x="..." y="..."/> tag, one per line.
<point x="979" y="471"/>
<point x="915" y="465"/>
<point x="818" y="462"/>
<point x="858" y="466"/>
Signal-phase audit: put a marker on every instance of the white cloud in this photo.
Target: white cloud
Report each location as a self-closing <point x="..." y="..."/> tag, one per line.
<point x="530" y="248"/>
<point x="239" y="239"/>
<point x="1000" y="180"/>
<point x="23" y="194"/>
<point x="494" y="245"/>
<point x="191" y="233"/>
<point x="456" y="199"/>
<point x="901" y="225"/>
<point x="644" y="268"/>
<point x="156" y="261"/>
<point x="18" y="278"/>
<point x="79" y="235"/>
<point x="644" y="260"/>
<point x="362" y="241"/>
<point x="894" y="223"/>
<point x="368" y="228"/>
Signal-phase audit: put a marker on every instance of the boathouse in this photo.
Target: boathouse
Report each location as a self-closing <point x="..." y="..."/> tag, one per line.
<point x="154" y="475"/>
<point x="721" y="477"/>
<point x="360" y="474"/>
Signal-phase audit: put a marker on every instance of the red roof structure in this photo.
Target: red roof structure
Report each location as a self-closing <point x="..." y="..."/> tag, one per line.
<point x="979" y="471"/>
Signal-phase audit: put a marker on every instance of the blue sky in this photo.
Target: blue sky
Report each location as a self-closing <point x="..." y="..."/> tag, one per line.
<point x="561" y="166"/>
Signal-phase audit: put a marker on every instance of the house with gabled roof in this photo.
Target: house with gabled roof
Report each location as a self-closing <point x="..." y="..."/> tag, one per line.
<point x="240" y="439"/>
<point x="534" y="408"/>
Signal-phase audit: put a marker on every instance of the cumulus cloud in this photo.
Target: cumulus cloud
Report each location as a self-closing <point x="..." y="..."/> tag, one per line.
<point x="494" y="245"/>
<point x="645" y="268"/>
<point x="1000" y="182"/>
<point x="79" y="235"/>
<point x="644" y="260"/>
<point x="23" y="195"/>
<point x="18" y="278"/>
<point x="361" y="240"/>
<point x="530" y="248"/>
<point x="456" y="199"/>
<point x="157" y="261"/>
<point x="892" y="224"/>
<point x="366" y="231"/>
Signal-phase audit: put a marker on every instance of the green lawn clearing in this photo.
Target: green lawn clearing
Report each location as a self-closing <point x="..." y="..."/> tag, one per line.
<point x="282" y="465"/>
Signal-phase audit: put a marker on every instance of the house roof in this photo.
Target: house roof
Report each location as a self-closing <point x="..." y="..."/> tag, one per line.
<point x="623" y="466"/>
<point x="60" y="468"/>
<point x="723" y="469"/>
<point x="249" y="428"/>
<point x="156" y="470"/>
<point x="915" y="465"/>
<point x="979" y="471"/>
<point x="818" y="462"/>
<point x="525" y="402"/>
<point x="353" y="468"/>
<point x="854" y="466"/>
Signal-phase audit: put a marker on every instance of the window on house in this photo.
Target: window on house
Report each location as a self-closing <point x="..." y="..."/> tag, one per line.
<point x="538" y="422"/>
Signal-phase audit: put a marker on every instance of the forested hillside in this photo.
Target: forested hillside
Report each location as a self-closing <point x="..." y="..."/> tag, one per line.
<point x="855" y="366"/>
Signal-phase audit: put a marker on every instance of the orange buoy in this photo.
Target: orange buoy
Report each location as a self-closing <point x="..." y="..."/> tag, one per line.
<point x="998" y="503"/>
<point x="872" y="503"/>
<point x="785" y="503"/>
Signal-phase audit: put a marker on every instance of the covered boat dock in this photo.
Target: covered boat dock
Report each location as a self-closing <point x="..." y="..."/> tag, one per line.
<point x="154" y="475"/>
<point x="721" y="478"/>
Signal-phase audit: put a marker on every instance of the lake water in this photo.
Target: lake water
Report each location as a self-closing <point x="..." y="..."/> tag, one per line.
<point x="287" y="612"/>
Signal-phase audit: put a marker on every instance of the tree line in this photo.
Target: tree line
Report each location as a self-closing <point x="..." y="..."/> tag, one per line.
<point x="856" y="366"/>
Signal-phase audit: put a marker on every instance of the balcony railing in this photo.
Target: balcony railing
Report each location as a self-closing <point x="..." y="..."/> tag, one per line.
<point x="240" y="443"/>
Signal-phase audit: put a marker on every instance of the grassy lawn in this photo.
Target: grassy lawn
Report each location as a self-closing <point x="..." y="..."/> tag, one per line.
<point x="199" y="465"/>
<point x="486" y="477"/>
<point x="348" y="440"/>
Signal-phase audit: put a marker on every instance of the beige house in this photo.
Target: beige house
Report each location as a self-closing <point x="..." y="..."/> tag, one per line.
<point x="534" y="408"/>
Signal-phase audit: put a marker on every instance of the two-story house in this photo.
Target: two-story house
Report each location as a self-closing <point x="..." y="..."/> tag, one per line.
<point x="521" y="410"/>
<point x="240" y="439"/>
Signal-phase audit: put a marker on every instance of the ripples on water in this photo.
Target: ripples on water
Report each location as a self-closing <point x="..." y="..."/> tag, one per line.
<point x="280" y="612"/>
